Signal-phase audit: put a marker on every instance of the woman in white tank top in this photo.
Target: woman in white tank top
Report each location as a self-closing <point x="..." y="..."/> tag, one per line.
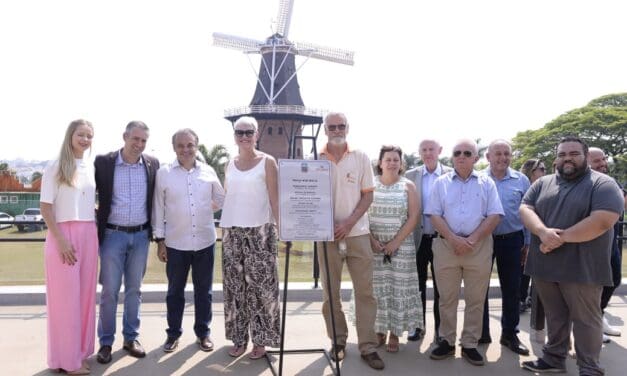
<point x="249" y="246"/>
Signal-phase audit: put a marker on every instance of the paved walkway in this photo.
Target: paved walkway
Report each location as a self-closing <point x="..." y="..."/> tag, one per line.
<point x="23" y="347"/>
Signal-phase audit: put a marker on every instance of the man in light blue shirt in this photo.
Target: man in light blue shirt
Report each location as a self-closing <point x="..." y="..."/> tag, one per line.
<point x="464" y="209"/>
<point x="511" y="241"/>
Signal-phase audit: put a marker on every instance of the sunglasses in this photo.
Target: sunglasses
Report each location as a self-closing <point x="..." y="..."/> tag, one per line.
<point x="467" y="153"/>
<point x="242" y="133"/>
<point x="334" y="127"/>
<point x="540" y="168"/>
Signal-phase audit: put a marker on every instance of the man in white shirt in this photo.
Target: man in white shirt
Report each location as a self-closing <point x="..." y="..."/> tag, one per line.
<point x="185" y="194"/>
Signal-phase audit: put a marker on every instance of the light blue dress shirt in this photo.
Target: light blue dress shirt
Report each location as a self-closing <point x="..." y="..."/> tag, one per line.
<point x="464" y="204"/>
<point x="130" y="195"/>
<point x="511" y="189"/>
<point x="428" y="178"/>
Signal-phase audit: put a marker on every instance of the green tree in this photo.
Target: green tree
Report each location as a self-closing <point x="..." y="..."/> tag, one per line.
<point x="601" y="123"/>
<point x="411" y="160"/>
<point x="216" y="157"/>
<point x="36" y="175"/>
<point x="4" y="166"/>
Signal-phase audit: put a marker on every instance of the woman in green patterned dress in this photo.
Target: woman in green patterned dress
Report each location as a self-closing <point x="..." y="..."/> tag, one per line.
<point x="393" y="216"/>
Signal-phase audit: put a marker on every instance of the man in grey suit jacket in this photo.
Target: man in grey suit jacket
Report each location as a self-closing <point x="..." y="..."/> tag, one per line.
<point x="424" y="176"/>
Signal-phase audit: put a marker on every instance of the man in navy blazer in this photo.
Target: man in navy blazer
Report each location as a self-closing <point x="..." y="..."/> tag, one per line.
<point x="125" y="181"/>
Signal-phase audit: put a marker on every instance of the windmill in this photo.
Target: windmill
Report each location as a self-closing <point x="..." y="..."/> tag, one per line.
<point x="277" y="104"/>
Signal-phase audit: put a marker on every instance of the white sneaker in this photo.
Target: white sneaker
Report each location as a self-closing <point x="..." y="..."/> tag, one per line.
<point x="607" y="329"/>
<point x="606" y="339"/>
<point x="537" y="336"/>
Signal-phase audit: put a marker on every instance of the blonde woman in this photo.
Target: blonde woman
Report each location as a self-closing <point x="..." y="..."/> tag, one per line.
<point x="249" y="256"/>
<point x="70" y="252"/>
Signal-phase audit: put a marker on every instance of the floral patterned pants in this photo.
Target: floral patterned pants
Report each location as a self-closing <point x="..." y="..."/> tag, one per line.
<point x="251" y="285"/>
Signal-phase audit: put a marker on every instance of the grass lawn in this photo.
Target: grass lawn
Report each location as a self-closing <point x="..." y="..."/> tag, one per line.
<point x="21" y="263"/>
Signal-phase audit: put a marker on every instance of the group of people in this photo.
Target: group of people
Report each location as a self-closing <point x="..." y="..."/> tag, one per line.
<point x="138" y="201"/>
<point x="389" y="229"/>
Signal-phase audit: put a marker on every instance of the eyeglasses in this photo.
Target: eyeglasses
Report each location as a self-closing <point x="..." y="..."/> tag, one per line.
<point x="247" y="132"/>
<point x="467" y="153"/>
<point x="334" y="127"/>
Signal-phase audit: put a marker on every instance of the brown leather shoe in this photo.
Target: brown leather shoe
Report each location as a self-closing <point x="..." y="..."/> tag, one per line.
<point x="373" y="360"/>
<point x="205" y="343"/>
<point x="104" y="354"/>
<point x="134" y="348"/>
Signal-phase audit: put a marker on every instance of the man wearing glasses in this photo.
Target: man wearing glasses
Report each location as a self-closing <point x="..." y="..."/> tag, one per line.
<point x="424" y="177"/>
<point x="464" y="208"/>
<point x="571" y="214"/>
<point x="510" y="241"/>
<point x="353" y="186"/>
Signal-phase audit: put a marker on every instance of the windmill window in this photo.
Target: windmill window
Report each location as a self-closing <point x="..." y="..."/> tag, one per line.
<point x="281" y="130"/>
<point x="270" y="130"/>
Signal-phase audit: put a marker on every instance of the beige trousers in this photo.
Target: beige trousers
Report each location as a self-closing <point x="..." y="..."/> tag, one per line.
<point x="474" y="269"/>
<point x="359" y="260"/>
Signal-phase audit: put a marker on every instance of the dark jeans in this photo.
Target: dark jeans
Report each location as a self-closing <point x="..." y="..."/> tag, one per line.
<point x="177" y="270"/>
<point x="424" y="257"/>
<point x="525" y="281"/>
<point x="616" y="261"/>
<point x="507" y="252"/>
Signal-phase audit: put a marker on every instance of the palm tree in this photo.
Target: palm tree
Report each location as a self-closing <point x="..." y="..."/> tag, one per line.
<point x="36" y="175"/>
<point x="411" y="160"/>
<point x="217" y="158"/>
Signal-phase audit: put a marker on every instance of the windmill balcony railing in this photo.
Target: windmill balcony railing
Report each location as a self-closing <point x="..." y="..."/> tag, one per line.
<point x="279" y="109"/>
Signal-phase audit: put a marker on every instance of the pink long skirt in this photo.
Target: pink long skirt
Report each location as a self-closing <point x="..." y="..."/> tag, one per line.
<point x="71" y="296"/>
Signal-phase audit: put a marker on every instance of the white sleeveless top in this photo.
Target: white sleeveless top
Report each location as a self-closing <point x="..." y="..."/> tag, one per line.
<point x="246" y="203"/>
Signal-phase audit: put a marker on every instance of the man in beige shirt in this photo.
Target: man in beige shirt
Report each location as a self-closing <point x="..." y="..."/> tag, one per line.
<point x="353" y="185"/>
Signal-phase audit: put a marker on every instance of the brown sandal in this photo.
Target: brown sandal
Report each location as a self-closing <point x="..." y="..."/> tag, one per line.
<point x="257" y="353"/>
<point x="237" y="350"/>
<point x="393" y="344"/>
<point x="381" y="338"/>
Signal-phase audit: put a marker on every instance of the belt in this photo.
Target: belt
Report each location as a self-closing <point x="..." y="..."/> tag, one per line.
<point x="128" y="228"/>
<point x="462" y="235"/>
<point x="508" y="235"/>
<point x="430" y="236"/>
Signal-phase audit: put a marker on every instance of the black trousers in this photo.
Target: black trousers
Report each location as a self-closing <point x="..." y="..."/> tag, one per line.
<point x="424" y="257"/>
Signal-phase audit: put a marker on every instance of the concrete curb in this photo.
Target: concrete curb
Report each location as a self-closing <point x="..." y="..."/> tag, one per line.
<point x="155" y="293"/>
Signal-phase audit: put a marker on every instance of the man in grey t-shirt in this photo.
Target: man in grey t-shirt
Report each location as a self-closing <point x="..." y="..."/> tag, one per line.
<point x="570" y="215"/>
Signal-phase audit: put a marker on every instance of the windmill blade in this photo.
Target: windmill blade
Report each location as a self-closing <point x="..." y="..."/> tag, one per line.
<point x="284" y="17"/>
<point x="236" y="43"/>
<point x="336" y="55"/>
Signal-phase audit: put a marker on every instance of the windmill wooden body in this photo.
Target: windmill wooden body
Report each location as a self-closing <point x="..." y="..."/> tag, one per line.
<point x="277" y="104"/>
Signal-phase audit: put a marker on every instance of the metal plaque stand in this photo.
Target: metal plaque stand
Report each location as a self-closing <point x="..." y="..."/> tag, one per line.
<point x="282" y="351"/>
